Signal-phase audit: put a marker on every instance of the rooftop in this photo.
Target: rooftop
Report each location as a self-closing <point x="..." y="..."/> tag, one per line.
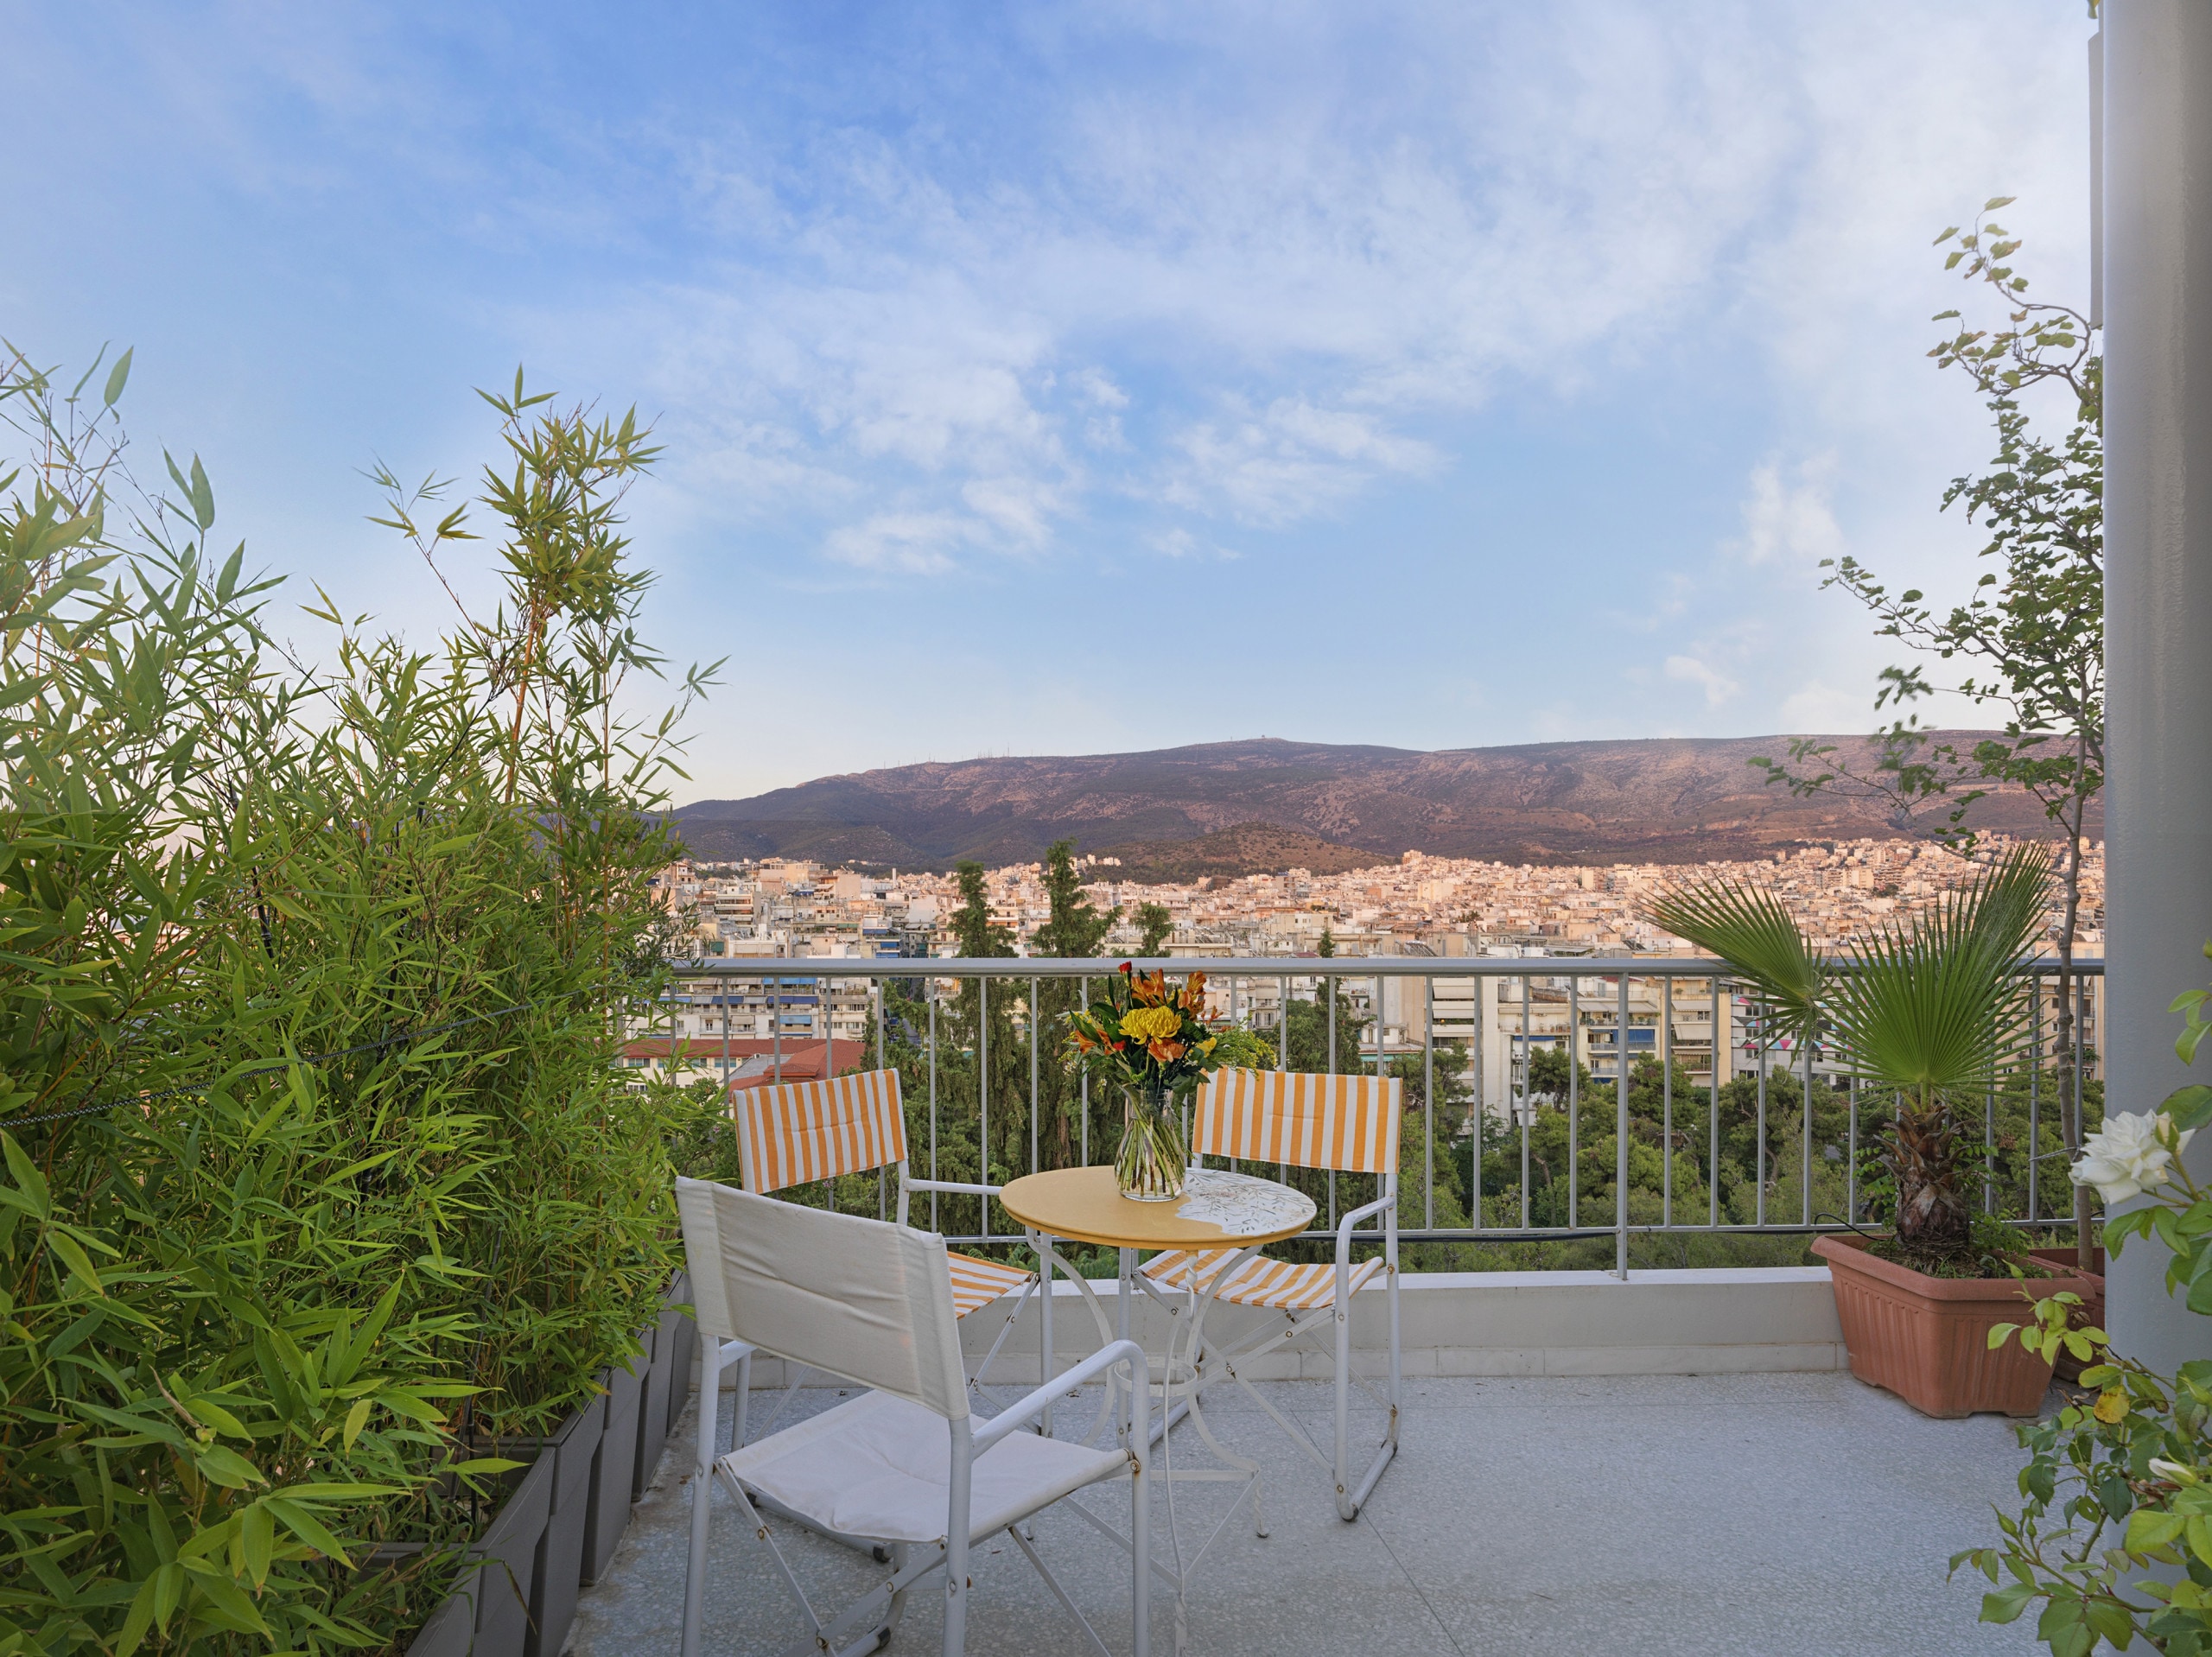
<point x="1771" y="1515"/>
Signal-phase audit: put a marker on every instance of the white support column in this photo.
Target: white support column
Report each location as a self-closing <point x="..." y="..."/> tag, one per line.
<point x="2158" y="305"/>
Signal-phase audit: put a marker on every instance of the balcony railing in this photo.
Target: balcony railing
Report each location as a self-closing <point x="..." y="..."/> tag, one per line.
<point x="1502" y="1012"/>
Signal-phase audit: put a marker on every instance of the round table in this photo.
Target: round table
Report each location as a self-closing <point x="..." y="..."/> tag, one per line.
<point x="1233" y="1215"/>
<point x="1085" y="1205"/>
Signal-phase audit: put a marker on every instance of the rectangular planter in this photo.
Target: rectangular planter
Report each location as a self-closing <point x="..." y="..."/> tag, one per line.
<point x="561" y="1548"/>
<point x="653" y="1404"/>
<point x="687" y="1348"/>
<point x="614" y="1468"/>
<point x="1927" y="1339"/>
<point x="508" y="1575"/>
<point x="451" y="1630"/>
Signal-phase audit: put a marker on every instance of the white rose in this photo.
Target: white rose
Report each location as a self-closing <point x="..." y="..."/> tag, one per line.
<point x="2123" y="1158"/>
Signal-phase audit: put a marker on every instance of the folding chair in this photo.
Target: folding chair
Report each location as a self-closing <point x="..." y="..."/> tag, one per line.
<point x="798" y="1132"/>
<point x="904" y="1464"/>
<point x="1347" y="1123"/>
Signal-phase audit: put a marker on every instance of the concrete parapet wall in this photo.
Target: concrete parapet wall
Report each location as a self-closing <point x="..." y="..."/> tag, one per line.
<point x="1735" y="1321"/>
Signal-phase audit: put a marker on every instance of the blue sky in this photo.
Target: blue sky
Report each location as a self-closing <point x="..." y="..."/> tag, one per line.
<point x="1064" y="379"/>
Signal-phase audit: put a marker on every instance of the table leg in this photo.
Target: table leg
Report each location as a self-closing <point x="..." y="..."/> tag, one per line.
<point x="1048" y="1361"/>
<point x="1122" y="1418"/>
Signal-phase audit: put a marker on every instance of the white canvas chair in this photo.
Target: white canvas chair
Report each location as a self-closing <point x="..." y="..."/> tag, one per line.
<point x="796" y="1132"/>
<point x="1347" y="1123"/>
<point x="904" y="1464"/>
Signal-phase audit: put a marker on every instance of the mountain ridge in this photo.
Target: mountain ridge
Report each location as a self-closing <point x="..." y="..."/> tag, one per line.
<point x="1657" y="799"/>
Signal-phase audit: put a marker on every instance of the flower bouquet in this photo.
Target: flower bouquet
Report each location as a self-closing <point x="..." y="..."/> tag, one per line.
<point x="1152" y="1042"/>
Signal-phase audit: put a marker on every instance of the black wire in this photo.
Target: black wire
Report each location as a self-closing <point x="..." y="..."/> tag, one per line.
<point x="272" y="1070"/>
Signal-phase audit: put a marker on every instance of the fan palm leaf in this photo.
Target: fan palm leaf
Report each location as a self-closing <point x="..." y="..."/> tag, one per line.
<point x="1754" y="934"/>
<point x="1932" y="1007"/>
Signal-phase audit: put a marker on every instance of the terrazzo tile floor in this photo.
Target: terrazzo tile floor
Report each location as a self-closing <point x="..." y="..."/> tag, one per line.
<point x="1769" y="1515"/>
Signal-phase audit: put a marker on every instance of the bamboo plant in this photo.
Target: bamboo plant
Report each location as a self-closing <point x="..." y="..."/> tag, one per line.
<point x="1928" y="1008"/>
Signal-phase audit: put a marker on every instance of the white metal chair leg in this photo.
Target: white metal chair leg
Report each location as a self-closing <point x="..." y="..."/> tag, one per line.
<point x="713" y="1357"/>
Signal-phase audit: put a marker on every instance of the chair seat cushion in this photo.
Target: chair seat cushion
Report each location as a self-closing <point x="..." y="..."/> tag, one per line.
<point x="977" y="1282"/>
<point x="1259" y="1281"/>
<point x="877" y="1467"/>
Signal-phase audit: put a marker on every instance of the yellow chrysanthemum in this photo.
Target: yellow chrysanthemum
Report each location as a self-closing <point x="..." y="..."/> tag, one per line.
<point x="1151" y="1023"/>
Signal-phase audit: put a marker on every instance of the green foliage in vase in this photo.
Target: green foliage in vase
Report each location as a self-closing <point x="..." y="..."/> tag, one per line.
<point x="318" y="1166"/>
<point x="1140" y="1033"/>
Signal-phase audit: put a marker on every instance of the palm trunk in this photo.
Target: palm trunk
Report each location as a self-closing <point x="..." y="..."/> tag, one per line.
<point x="1934" y="1218"/>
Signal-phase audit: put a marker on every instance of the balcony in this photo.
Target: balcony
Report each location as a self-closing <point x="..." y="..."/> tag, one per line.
<point x="1645" y="1459"/>
<point x="1756" y="1512"/>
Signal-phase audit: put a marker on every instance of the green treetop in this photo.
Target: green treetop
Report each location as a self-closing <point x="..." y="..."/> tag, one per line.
<point x="1075" y="927"/>
<point x="1154" y="924"/>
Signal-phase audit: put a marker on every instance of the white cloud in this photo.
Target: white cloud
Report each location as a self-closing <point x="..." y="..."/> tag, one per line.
<point x="1286" y="463"/>
<point x="1788" y="516"/>
<point x="912" y="544"/>
<point x="1823" y="709"/>
<point x="1689" y="669"/>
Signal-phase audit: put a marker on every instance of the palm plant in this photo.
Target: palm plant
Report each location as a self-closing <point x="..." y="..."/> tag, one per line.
<point x="1929" y="1009"/>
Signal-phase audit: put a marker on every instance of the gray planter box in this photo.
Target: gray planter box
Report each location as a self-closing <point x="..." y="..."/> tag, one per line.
<point x="687" y="1348"/>
<point x="614" y="1469"/>
<point x="652" y="1403"/>
<point x="452" y="1627"/>
<point x="561" y="1548"/>
<point x="509" y="1573"/>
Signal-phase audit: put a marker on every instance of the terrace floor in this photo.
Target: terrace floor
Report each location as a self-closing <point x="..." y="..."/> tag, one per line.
<point x="1771" y="1515"/>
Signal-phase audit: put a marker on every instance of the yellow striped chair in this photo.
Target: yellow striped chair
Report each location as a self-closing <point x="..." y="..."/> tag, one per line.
<point x="798" y="1132"/>
<point x="1347" y="1123"/>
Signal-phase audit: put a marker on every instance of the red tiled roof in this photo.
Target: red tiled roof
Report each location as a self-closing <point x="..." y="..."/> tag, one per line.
<point x="802" y="1059"/>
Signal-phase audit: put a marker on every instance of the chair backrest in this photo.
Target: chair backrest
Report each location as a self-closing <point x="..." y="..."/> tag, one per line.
<point x="800" y="1131"/>
<point x="861" y="1299"/>
<point x="1346" y="1122"/>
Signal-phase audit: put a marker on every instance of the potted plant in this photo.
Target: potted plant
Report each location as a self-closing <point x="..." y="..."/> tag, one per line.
<point x="1931" y="1011"/>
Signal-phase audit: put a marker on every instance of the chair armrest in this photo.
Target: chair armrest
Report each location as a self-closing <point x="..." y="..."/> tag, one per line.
<point x="1344" y="1225"/>
<point x="1054" y="1390"/>
<point x="959" y="1186"/>
<point x="722" y="1354"/>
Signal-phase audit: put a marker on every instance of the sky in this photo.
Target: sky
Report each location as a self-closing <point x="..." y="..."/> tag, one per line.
<point x="1059" y="379"/>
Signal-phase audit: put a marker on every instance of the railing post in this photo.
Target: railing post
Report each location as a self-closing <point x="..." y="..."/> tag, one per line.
<point x="1620" y="1135"/>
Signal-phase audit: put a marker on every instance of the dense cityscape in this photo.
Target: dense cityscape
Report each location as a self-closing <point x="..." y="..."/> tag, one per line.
<point x="755" y="1025"/>
<point x="1443" y="905"/>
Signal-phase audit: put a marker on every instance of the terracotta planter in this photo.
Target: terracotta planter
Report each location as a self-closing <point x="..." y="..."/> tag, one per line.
<point x="1927" y="1338"/>
<point x="2090" y="1314"/>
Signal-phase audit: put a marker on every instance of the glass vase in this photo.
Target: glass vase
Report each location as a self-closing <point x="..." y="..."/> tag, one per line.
<point x="1150" y="1164"/>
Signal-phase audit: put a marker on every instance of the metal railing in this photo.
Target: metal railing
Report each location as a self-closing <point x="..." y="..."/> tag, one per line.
<point x="1590" y="1008"/>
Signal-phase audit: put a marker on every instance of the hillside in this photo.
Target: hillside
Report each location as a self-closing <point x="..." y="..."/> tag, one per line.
<point x="1242" y="848"/>
<point x="1674" y="800"/>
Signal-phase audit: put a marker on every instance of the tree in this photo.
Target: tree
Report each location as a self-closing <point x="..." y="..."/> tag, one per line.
<point x="1074" y="927"/>
<point x="1154" y="925"/>
<point x="979" y="936"/>
<point x="1001" y="1071"/>
<point x="1327" y="948"/>
<point x="2030" y="639"/>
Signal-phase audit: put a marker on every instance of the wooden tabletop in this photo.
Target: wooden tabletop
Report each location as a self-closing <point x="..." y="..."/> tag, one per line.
<point x="1085" y="1205"/>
